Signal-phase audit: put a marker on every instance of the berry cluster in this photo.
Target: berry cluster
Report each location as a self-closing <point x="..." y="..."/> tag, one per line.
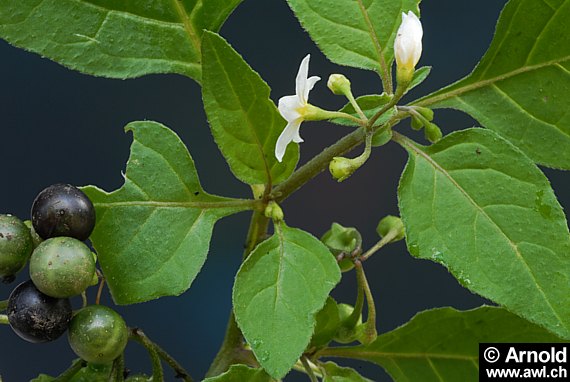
<point x="61" y="266"/>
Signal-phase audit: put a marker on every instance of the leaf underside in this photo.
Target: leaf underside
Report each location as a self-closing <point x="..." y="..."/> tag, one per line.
<point x="476" y="204"/>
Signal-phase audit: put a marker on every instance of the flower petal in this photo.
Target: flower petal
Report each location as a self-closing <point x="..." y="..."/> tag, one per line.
<point x="310" y="85"/>
<point x="289" y="134"/>
<point x="408" y="42"/>
<point x="289" y="107"/>
<point x="301" y="80"/>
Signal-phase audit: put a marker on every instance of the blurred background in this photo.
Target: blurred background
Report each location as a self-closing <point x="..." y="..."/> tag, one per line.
<point x="62" y="126"/>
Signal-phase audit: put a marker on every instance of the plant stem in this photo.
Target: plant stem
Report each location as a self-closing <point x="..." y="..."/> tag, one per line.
<point x="3" y="305"/>
<point x="357" y="312"/>
<point x="385" y="240"/>
<point x="157" y="372"/>
<point x="370" y="332"/>
<point x="232" y="350"/>
<point x="69" y="373"/>
<point x="308" y="369"/>
<point x="4" y="319"/>
<point x="100" y="291"/>
<point x="319" y="163"/>
<point x="118" y="370"/>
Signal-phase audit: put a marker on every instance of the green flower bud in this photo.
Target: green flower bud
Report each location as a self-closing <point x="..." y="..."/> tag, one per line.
<point x="339" y="84"/>
<point x="274" y="212"/>
<point x="342" y="168"/>
<point x="417" y="123"/>
<point x="391" y="225"/>
<point x="425" y="112"/>
<point x="432" y="133"/>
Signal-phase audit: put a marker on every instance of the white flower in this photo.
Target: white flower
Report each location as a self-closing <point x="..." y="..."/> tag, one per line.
<point x="408" y="42"/>
<point x="293" y="108"/>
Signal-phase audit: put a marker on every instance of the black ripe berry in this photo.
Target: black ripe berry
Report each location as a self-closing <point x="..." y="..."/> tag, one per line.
<point x="35" y="316"/>
<point x="63" y="210"/>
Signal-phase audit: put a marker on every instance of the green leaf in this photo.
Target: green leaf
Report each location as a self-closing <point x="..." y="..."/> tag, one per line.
<point x="476" y="204"/>
<point x="241" y="373"/>
<point x="152" y="234"/>
<point x="244" y="121"/>
<point x="520" y="88"/>
<point x="420" y="76"/>
<point x="43" y="378"/>
<point x="278" y="290"/>
<point x="355" y="33"/>
<point x="327" y="322"/>
<point x="335" y="373"/>
<point x="442" y="345"/>
<point x="117" y="39"/>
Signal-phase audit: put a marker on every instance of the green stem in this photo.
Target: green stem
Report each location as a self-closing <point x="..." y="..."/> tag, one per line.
<point x="4" y="319"/>
<point x="357" y="312"/>
<point x="157" y="372"/>
<point x="321" y="162"/>
<point x="318" y="164"/>
<point x="232" y="350"/>
<point x="308" y="369"/>
<point x="118" y="370"/>
<point x="70" y="373"/>
<point x="3" y="305"/>
<point x="356" y="106"/>
<point x="370" y="332"/>
<point x="385" y="240"/>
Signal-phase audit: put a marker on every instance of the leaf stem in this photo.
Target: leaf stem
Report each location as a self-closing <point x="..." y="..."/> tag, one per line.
<point x="77" y="365"/>
<point x="138" y="335"/>
<point x="3" y="305"/>
<point x="308" y="369"/>
<point x="4" y="319"/>
<point x="370" y="332"/>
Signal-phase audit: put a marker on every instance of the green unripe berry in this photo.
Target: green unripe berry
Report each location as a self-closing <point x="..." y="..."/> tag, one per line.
<point x="98" y="334"/>
<point x="15" y="245"/>
<point x="391" y="225"/>
<point x="62" y="267"/>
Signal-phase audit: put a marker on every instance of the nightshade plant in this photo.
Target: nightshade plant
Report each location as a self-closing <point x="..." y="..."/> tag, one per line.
<point x="473" y="201"/>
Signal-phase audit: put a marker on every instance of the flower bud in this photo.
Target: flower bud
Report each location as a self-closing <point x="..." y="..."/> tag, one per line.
<point x="391" y="225"/>
<point x="273" y="211"/>
<point x="425" y="112"/>
<point x="342" y="168"/>
<point x="432" y="132"/>
<point x="408" y="47"/>
<point x="339" y="84"/>
<point x="417" y="123"/>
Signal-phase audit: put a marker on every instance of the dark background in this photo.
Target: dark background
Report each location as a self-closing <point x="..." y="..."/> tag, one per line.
<point x="62" y="126"/>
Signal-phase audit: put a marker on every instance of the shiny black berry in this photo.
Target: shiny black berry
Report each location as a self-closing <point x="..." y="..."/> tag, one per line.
<point x="15" y="246"/>
<point x="63" y="210"/>
<point x="36" y="317"/>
